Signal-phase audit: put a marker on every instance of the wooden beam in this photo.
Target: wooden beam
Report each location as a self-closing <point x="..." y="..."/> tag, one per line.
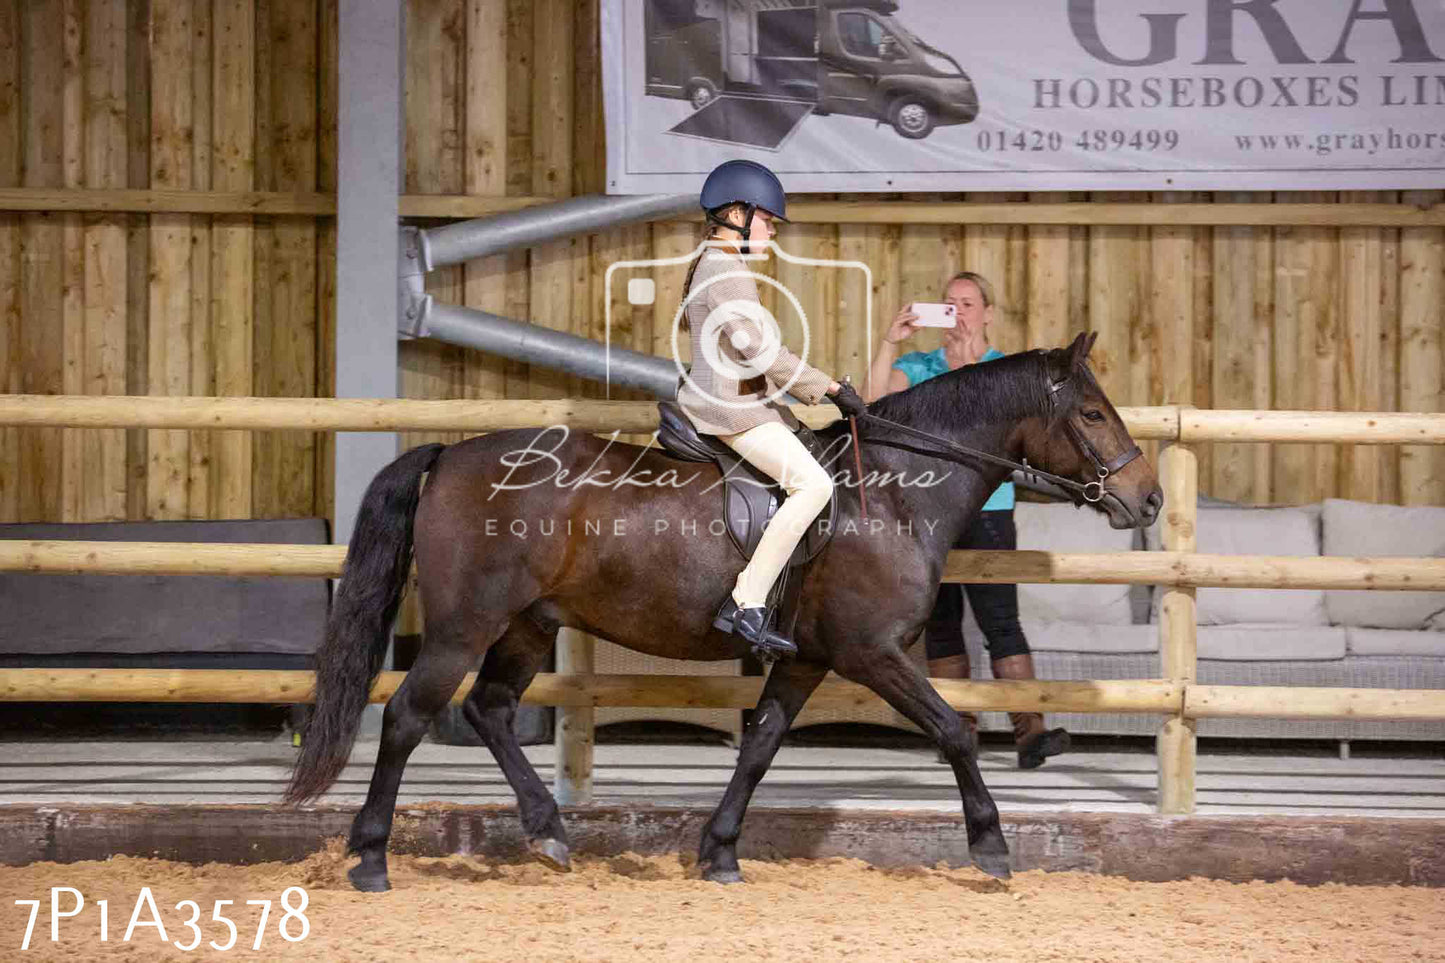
<point x="1111" y="568"/>
<point x="1300" y="702"/>
<point x="576" y="733"/>
<point x="696" y="692"/>
<point x="1422" y="388"/>
<point x="1362" y="428"/>
<point x="464" y="206"/>
<point x="1162" y="423"/>
<point x="334" y="414"/>
<point x="1145" y="696"/>
<point x="376" y="414"/>
<point x="1178" y="629"/>
<point x="170" y="558"/>
<point x="1199" y="571"/>
<point x="167" y="201"/>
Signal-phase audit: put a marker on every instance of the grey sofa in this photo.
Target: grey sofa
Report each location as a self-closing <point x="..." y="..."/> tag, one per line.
<point x="1283" y="637"/>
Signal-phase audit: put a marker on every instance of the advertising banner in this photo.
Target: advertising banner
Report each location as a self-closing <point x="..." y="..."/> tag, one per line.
<point x="948" y="95"/>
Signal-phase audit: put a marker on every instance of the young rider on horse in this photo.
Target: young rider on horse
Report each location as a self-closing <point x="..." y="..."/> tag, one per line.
<point x="739" y="367"/>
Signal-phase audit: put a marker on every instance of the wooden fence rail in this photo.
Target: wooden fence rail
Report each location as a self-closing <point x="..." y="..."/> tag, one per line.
<point x="1107" y="568"/>
<point x="569" y="689"/>
<point x="1159" y="423"/>
<point x="1153" y="696"/>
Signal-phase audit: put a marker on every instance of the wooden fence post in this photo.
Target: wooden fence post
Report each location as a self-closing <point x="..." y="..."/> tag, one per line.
<point x="1178" y="628"/>
<point x="576" y="725"/>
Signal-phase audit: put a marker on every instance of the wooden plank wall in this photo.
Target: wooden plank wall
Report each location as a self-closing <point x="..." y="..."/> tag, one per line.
<point x="187" y="95"/>
<point x="504" y="97"/>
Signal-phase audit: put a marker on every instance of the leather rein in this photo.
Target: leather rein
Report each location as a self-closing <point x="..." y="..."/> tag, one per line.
<point x="1091" y="492"/>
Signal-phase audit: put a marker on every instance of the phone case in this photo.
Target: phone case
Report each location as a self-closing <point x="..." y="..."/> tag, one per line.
<point x="934" y="315"/>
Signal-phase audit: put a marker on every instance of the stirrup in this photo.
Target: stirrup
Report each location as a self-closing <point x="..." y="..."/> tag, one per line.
<point x="752" y="625"/>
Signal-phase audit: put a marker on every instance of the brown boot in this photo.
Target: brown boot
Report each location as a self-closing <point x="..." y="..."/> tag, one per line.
<point x="1033" y="741"/>
<point x="956" y="667"/>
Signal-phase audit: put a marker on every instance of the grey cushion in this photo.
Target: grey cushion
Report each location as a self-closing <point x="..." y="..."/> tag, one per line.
<point x="1271" y="643"/>
<point x="1395" y="642"/>
<point x="51" y="614"/>
<point x="1046" y="636"/>
<point x="1064" y="528"/>
<point x="1256" y="531"/>
<point x="1361" y="529"/>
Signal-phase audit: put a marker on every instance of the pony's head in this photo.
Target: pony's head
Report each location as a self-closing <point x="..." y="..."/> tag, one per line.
<point x="1085" y="439"/>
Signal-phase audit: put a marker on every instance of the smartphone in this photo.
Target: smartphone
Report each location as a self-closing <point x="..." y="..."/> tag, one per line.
<point x="934" y="315"/>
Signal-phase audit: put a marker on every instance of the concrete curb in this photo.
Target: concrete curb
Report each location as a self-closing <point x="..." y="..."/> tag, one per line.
<point x="1142" y="847"/>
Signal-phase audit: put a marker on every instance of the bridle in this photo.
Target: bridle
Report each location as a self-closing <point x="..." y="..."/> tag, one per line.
<point x="1103" y="469"/>
<point x="1091" y="492"/>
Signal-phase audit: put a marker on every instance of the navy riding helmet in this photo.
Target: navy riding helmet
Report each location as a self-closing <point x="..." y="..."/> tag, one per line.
<point x="743" y="182"/>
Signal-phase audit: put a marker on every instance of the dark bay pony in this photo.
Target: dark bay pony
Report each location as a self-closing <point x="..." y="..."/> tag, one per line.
<point x="625" y="546"/>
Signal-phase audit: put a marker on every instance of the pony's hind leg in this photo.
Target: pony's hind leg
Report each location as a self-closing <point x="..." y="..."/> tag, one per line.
<point x="491" y="707"/>
<point x="788" y="687"/>
<point x="440" y="665"/>
<point x="887" y="671"/>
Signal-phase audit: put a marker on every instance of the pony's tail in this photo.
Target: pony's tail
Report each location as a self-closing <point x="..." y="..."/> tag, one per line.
<point x="378" y="562"/>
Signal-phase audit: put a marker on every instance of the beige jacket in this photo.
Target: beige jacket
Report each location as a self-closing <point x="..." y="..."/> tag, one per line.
<point x="722" y="402"/>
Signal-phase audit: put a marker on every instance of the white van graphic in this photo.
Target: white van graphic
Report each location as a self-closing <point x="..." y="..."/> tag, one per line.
<point x="754" y="69"/>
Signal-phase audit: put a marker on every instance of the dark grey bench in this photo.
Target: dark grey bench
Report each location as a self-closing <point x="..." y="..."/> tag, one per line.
<point x="185" y="621"/>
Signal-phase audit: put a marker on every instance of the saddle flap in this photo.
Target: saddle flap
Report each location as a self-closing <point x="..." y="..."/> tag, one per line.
<point x="750" y="497"/>
<point x="749" y="500"/>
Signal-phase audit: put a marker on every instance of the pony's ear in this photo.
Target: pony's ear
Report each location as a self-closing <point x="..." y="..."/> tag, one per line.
<point x="1079" y="350"/>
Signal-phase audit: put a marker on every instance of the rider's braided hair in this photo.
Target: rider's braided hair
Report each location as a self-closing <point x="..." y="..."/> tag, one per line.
<point x="709" y="231"/>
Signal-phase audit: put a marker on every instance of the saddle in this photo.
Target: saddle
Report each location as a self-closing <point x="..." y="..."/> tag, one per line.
<point x="750" y="498"/>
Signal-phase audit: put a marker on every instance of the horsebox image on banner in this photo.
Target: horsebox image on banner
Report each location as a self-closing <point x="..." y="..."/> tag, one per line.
<point x="1027" y="95"/>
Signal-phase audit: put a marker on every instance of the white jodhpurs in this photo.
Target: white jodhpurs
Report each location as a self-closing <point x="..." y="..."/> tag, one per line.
<point x="774" y="449"/>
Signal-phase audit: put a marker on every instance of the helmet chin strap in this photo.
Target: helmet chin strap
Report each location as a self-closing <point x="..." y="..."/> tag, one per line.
<point x="746" y="230"/>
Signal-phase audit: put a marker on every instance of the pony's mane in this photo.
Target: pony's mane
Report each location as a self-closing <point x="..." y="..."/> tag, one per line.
<point x="1007" y="389"/>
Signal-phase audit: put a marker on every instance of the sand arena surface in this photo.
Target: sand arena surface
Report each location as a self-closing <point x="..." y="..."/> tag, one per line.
<point x="655" y="908"/>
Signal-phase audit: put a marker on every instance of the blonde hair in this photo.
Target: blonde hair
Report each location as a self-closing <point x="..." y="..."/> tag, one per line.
<point x="984" y="287"/>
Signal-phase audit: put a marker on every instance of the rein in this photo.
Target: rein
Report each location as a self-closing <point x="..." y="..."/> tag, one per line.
<point x="1091" y="492"/>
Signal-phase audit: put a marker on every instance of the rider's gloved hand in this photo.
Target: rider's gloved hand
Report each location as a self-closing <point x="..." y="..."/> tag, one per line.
<point x="848" y="401"/>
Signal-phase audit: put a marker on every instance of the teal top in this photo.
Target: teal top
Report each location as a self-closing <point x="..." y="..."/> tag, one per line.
<point x="919" y="366"/>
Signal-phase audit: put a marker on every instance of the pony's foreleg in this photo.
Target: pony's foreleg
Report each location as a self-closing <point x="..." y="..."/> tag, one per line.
<point x="491" y="707"/>
<point x="428" y="686"/>
<point x="888" y="672"/>
<point x="787" y="688"/>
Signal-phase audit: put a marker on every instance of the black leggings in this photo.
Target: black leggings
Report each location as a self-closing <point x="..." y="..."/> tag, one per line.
<point x="995" y="607"/>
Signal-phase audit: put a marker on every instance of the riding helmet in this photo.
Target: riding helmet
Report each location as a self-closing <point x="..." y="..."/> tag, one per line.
<point x="743" y="182"/>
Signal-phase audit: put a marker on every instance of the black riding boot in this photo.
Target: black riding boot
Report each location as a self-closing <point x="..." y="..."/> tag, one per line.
<point x="752" y="624"/>
<point x="1034" y="742"/>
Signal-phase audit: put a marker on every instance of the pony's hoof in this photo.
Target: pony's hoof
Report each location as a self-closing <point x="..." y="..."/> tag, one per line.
<point x="368" y="882"/>
<point x="552" y="853"/>
<point x="724" y="876"/>
<point x="994" y="864"/>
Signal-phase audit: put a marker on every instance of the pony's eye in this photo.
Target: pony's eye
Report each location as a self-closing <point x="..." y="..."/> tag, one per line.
<point x="1094" y="416"/>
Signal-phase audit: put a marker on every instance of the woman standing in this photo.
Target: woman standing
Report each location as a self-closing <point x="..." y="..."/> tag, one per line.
<point x="737" y="373"/>
<point x="995" y="607"/>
